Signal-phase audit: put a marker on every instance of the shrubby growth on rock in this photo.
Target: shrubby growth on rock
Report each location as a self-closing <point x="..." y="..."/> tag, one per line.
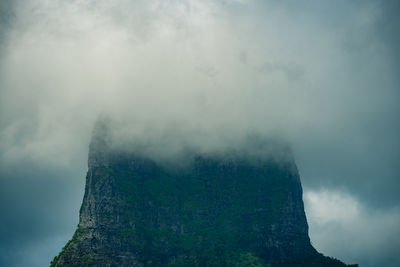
<point x="225" y="208"/>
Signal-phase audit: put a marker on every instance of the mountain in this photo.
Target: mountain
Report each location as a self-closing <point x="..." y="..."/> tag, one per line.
<point x="227" y="208"/>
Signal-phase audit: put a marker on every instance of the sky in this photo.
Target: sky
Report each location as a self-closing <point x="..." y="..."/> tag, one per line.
<point x="321" y="75"/>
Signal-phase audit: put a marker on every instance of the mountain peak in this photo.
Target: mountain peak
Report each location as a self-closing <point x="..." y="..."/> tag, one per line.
<point x="233" y="207"/>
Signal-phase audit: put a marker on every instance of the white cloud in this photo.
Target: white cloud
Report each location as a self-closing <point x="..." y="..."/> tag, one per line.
<point x="206" y="65"/>
<point x="341" y="226"/>
<point x="326" y="207"/>
<point x="317" y="74"/>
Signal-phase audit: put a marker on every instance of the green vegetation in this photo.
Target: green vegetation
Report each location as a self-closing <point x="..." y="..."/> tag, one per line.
<point x="75" y="239"/>
<point x="215" y="213"/>
<point x="203" y="217"/>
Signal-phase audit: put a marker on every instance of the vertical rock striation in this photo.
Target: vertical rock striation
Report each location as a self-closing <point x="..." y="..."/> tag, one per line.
<point x="221" y="209"/>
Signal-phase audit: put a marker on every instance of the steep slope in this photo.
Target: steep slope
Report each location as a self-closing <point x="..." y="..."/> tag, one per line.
<point x="220" y="209"/>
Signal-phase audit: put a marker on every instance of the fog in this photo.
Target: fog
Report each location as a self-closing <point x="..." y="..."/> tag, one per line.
<point x="321" y="76"/>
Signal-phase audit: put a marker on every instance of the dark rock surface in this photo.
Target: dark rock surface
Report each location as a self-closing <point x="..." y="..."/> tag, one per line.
<point x="221" y="209"/>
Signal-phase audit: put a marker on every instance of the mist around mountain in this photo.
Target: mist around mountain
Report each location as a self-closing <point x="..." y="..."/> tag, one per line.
<point x="202" y="74"/>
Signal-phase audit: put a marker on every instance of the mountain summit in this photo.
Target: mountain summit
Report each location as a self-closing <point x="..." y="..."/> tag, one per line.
<point x="226" y="208"/>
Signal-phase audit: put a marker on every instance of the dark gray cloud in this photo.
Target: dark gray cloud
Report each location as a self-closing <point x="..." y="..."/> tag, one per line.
<point x="38" y="211"/>
<point x="7" y="16"/>
<point x="321" y="75"/>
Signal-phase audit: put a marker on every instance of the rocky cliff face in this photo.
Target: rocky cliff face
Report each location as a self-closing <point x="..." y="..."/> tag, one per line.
<point x="220" y="209"/>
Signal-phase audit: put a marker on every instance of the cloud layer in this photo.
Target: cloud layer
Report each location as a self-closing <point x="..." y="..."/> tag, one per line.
<point x="320" y="75"/>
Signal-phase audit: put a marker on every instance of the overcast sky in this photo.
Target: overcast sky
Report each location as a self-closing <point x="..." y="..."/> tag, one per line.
<point x="322" y="75"/>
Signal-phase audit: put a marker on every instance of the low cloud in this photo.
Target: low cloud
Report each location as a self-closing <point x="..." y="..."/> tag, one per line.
<point x="320" y="76"/>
